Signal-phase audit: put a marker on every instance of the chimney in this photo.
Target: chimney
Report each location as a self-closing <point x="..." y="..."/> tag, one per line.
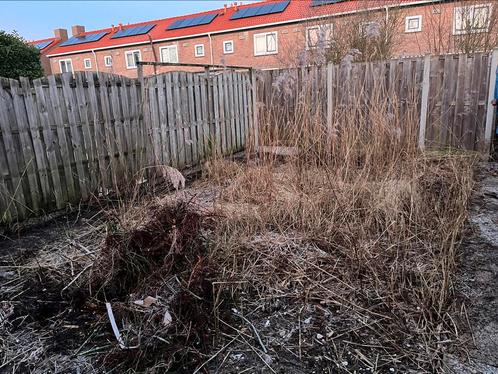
<point x="77" y="30"/>
<point x="60" y="34"/>
<point x="225" y="9"/>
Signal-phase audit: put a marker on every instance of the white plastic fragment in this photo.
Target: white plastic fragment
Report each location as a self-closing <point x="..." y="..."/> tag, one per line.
<point x="167" y="319"/>
<point x="115" y="329"/>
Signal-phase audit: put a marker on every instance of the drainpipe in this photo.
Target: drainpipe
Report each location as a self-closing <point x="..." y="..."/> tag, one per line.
<point x="96" y="61"/>
<point x="153" y="52"/>
<point x="387" y="21"/>
<point x="211" y="48"/>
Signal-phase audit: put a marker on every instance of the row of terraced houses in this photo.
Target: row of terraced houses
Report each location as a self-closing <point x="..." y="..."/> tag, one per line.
<point x="268" y="34"/>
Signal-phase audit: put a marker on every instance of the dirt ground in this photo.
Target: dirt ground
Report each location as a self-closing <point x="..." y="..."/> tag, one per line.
<point x="477" y="279"/>
<point x="46" y="329"/>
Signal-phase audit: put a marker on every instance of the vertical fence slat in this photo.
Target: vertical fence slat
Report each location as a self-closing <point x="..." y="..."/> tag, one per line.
<point x="163" y="120"/>
<point x="102" y="152"/>
<point x="16" y="196"/>
<point x="65" y="148"/>
<point x="490" y="112"/>
<point x="192" y="122"/>
<point x="425" y="101"/>
<point x="74" y="141"/>
<point x="52" y="147"/>
<point x="38" y="146"/>
<point x="26" y="145"/>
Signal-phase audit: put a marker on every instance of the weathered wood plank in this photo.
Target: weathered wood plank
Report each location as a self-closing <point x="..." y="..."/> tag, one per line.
<point x="16" y="194"/>
<point x="192" y="119"/>
<point x="171" y="120"/>
<point x="28" y="154"/>
<point x="63" y="141"/>
<point x="38" y="145"/>
<point x="185" y="114"/>
<point x="180" y="139"/>
<point x="99" y="134"/>
<point x="75" y="137"/>
<point x="163" y="120"/>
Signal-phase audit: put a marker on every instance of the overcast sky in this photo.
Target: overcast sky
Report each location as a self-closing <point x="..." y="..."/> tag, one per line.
<point x="38" y="19"/>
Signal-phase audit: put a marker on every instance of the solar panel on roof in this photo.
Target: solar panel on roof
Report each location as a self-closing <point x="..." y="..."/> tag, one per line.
<point x="193" y="21"/>
<point x="324" y="2"/>
<point x="43" y="44"/>
<point x="83" y="39"/>
<point x="139" y="30"/>
<point x="261" y="10"/>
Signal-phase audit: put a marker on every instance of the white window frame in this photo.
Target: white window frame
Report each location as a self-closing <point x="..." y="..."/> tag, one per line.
<point x="65" y="60"/>
<point x="105" y="61"/>
<point x="134" y="66"/>
<point x="225" y="52"/>
<point x="172" y="46"/>
<point x="407" y="24"/>
<point x="471" y="8"/>
<point x="199" y="54"/>
<point x="265" y="34"/>
<point x="364" y="25"/>
<point x="87" y="63"/>
<point x="329" y="25"/>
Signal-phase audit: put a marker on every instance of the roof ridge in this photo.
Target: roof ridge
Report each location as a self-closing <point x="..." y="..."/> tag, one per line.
<point x="41" y="40"/>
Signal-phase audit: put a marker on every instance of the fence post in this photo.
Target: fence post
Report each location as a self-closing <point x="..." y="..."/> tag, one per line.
<point x="329" y="102"/>
<point x="255" y="124"/>
<point x="211" y="124"/>
<point x="490" y="115"/>
<point x="425" y="102"/>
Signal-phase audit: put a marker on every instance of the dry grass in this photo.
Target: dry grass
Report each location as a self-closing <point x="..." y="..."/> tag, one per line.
<point x="337" y="257"/>
<point x="360" y="221"/>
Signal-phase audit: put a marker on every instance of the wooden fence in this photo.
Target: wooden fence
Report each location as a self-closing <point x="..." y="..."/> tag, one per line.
<point x="451" y="94"/>
<point x="65" y="138"/>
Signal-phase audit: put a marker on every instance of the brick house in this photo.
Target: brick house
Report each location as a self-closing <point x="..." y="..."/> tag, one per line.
<point x="271" y="34"/>
<point x="45" y="46"/>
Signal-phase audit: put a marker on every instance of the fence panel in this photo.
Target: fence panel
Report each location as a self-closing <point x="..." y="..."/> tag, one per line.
<point x="68" y="137"/>
<point x="457" y="97"/>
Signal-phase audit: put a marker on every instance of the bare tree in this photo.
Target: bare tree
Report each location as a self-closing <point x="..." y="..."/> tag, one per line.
<point x="367" y="35"/>
<point x="465" y="26"/>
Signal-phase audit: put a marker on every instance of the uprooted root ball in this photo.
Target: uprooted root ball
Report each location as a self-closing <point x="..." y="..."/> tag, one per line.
<point x="164" y="260"/>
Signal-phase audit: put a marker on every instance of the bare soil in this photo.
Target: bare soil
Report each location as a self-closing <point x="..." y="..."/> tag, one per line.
<point x="477" y="280"/>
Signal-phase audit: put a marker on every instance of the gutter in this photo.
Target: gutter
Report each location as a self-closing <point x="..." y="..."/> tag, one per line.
<point x="225" y="31"/>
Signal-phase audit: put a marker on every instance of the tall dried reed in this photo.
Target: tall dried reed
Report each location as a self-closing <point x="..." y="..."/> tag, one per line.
<point x="384" y="218"/>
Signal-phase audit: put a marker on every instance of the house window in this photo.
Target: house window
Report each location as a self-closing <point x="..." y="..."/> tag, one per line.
<point x="131" y="59"/>
<point x="108" y="61"/>
<point x="471" y="19"/>
<point x="199" y="50"/>
<point x="169" y="53"/>
<point x="88" y="63"/>
<point x="228" y="46"/>
<point x="370" y="29"/>
<point x="413" y="24"/>
<point x="319" y="35"/>
<point x="66" y="66"/>
<point x="265" y="44"/>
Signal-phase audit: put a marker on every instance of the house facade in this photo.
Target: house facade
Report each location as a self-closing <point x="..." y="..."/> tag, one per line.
<point x="46" y="45"/>
<point x="275" y="34"/>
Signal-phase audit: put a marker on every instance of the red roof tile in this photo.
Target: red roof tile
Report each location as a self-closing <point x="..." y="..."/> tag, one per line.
<point x="297" y="10"/>
<point x="48" y="47"/>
